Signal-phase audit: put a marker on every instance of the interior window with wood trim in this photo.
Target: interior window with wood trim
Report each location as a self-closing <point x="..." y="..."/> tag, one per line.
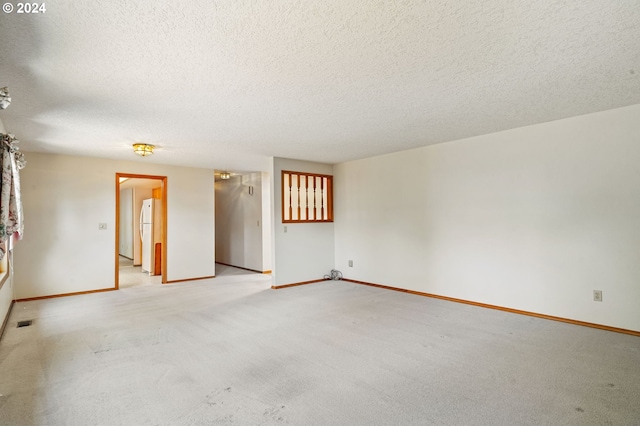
<point x="306" y="197"/>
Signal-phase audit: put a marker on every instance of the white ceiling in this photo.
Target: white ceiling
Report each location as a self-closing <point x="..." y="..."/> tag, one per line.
<point x="227" y="84"/>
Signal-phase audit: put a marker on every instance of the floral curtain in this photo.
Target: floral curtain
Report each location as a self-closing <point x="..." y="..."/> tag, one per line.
<point x="11" y="161"/>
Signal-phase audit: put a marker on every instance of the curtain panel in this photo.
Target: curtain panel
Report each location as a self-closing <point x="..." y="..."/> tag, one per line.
<point x="11" y="219"/>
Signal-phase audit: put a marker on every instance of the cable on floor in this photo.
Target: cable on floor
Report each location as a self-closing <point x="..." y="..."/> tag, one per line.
<point x="335" y="275"/>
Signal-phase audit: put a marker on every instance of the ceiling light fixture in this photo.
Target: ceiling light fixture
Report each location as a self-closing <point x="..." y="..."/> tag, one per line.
<point x="143" y="149"/>
<point x="225" y="175"/>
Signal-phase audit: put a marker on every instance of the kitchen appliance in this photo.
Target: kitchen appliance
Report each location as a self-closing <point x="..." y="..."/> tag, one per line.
<point x="150" y="234"/>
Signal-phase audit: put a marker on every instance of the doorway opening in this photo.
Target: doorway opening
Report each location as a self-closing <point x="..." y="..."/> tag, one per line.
<point x="242" y="223"/>
<point x="129" y="247"/>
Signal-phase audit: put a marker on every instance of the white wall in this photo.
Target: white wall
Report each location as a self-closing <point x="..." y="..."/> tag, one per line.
<point x="126" y="222"/>
<point x="6" y="298"/>
<point x="65" y="198"/>
<point x="533" y="218"/>
<point x="306" y="251"/>
<point x="267" y="225"/>
<point x="239" y="222"/>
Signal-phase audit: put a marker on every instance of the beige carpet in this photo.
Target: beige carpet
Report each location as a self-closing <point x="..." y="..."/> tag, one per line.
<point x="232" y="351"/>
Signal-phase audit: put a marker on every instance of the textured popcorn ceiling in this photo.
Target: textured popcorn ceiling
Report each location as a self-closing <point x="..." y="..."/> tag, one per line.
<point x="226" y="84"/>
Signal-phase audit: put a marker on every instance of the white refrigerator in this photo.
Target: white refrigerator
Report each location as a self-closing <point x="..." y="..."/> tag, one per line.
<point x="150" y="233"/>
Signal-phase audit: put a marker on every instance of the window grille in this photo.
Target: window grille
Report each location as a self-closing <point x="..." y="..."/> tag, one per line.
<point x="306" y="197"/>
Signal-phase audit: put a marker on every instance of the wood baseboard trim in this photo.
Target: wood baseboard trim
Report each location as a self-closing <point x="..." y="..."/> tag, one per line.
<point x="53" y="296"/>
<point x="6" y="319"/>
<point x="501" y="308"/>
<point x="246" y="269"/>
<point x="189" y="279"/>
<point x="278" y="287"/>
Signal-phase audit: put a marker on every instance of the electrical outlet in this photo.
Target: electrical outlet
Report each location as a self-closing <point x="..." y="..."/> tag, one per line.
<point x="351" y="263"/>
<point x="102" y="226"/>
<point x="597" y="295"/>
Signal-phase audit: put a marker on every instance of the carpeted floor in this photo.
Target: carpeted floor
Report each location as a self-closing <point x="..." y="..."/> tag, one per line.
<point x="232" y="351"/>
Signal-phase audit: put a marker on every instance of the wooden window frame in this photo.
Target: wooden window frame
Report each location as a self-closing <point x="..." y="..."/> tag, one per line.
<point x="329" y="198"/>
